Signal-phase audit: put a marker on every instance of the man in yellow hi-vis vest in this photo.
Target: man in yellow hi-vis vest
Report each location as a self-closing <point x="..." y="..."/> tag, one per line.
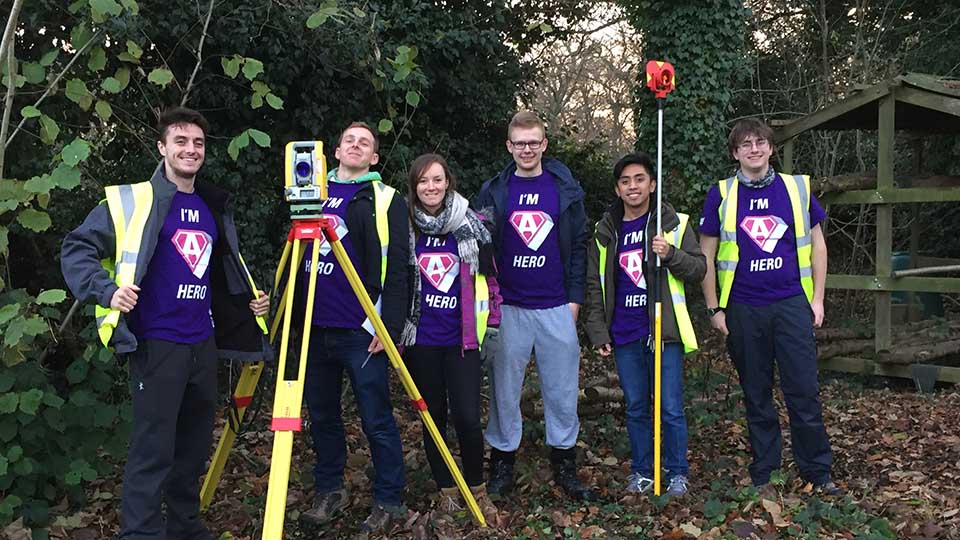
<point x="621" y="261"/>
<point x="161" y="260"/>
<point x="760" y="231"/>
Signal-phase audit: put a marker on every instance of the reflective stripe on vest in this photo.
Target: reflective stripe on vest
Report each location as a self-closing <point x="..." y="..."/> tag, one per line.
<point x="728" y="254"/>
<point x="382" y="198"/>
<point x="603" y="272"/>
<point x="481" y="305"/>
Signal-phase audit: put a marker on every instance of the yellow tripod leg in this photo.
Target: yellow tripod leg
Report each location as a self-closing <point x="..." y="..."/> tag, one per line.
<point x="288" y="399"/>
<point x="242" y="396"/>
<point x="281" y="307"/>
<point x="658" y="347"/>
<point x="408" y="384"/>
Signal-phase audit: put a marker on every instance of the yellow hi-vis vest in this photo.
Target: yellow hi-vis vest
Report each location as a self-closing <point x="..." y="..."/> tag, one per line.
<point x="728" y="253"/>
<point x="677" y="290"/>
<point x="130" y="206"/>
<point x="481" y="305"/>
<point x="382" y="198"/>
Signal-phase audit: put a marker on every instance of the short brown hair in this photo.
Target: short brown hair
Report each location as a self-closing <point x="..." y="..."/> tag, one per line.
<point x="366" y="126"/>
<point x="745" y="128"/>
<point x="180" y="115"/>
<point x="420" y="166"/>
<point x="526" y="119"/>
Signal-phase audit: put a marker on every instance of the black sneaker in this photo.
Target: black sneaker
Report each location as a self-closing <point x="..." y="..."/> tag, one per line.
<point x="326" y="507"/>
<point x="564" y="464"/>
<point x="501" y="477"/>
<point x="827" y="489"/>
<point x="381" y="516"/>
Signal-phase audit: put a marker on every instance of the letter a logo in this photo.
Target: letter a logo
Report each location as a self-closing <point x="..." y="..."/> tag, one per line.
<point x="195" y="248"/>
<point x="532" y="226"/>
<point x="440" y="269"/>
<point x="341" y="230"/>
<point x="765" y="231"/>
<point x="632" y="264"/>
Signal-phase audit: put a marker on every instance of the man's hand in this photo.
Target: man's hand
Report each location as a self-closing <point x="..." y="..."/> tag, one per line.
<point x="260" y="305"/>
<point x="605" y="350"/>
<point x="817" y="307"/>
<point x="375" y="345"/>
<point x="124" y="298"/>
<point x="660" y="246"/>
<point x="575" y="309"/>
<point x="719" y="321"/>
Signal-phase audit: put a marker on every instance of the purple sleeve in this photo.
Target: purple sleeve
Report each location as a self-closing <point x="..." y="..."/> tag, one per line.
<point x="710" y="218"/>
<point x="817" y="214"/>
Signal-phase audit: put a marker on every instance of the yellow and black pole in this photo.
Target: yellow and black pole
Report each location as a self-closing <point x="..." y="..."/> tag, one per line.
<point x="660" y="80"/>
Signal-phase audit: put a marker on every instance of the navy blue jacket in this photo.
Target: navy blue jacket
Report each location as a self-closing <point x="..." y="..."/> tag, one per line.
<point x="572" y="224"/>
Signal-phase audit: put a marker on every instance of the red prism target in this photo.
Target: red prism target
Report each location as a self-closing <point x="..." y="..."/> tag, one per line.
<point x="660" y="78"/>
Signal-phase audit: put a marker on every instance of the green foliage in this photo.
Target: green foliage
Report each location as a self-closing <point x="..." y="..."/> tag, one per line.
<point x="704" y="42"/>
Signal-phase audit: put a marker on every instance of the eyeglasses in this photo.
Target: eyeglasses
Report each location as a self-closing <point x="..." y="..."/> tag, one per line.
<point x="759" y="143"/>
<point x="533" y="145"/>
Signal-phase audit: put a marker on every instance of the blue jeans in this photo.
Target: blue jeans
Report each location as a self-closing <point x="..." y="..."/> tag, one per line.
<point x="635" y="363"/>
<point x="333" y="350"/>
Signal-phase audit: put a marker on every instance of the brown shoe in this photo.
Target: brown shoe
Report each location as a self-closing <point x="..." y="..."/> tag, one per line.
<point x="326" y="507"/>
<point x="487" y="508"/>
<point x="449" y="501"/>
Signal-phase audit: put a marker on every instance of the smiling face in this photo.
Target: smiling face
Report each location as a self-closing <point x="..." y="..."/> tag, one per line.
<point x="432" y="188"/>
<point x="356" y="152"/>
<point x="527" y="145"/>
<point x="634" y="187"/>
<point x="183" y="150"/>
<point x="753" y="152"/>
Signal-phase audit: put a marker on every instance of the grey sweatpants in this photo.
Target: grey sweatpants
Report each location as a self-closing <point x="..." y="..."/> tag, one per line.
<point x="552" y="335"/>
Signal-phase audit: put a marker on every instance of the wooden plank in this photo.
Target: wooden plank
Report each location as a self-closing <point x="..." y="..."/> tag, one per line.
<point x="788" y="157"/>
<point x="886" y="138"/>
<point x="892" y="196"/>
<point x="864" y="366"/>
<point x="811" y="121"/>
<point x="891" y="284"/>
<point x="927" y="100"/>
<point x="932" y="83"/>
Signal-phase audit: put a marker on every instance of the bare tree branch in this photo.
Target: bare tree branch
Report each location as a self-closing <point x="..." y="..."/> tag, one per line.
<point x="11" y="27"/>
<point x="8" y="102"/>
<point x="196" y="68"/>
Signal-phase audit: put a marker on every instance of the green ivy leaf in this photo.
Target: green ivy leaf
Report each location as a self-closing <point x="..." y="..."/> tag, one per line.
<point x="30" y="112"/>
<point x="256" y="101"/>
<point x="7" y="381"/>
<point x="35" y="220"/>
<point x="259" y="137"/>
<point x="65" y="176"/>
<point x="15" y="453"/>
<point x="5" y="252"/>
<point x="75" y="152"/>
<point x="231" y="66"/>
<point x="134" y="49"/>
<point x="238" y="143"/>
<point x="39" y="184"/>
<point x="412" y="98"/>
<point x="33" y="72"/>
<point x="123" y="75"/>
<point x="72" y="478"/>
<point x="274" y="102"/>
<point x="78" y="93"/>
<point x="52" y="296"/>
<point x="9" y="402"/>
<point x="24" y="467"/>
<point x="111" y="84"/>
<point x="8" y="312"/>
<point x="251" y="68"/>
<point x="35" y="326"/>
<point x="52" y="400"/>
<point x="76" y="372"/>
<point x="104" y="110"/>
<point x="160" y="76"/>
<point x="102" y="8"/>
<point x="80" y="35"/>
<point x="385" y="125"/>
<point x="30" y="401"/>
<point x="98" y="59"/>
<point x="320" y="16"/>
<point x="104" y="416"/>
<point x="3" y="472"/>
<point x="49" y="130"/>
<point x="132" y="6"/>
<point x="49" y="57"/>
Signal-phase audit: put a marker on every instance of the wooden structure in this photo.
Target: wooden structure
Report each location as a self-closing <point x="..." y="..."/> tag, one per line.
<point x="917" y="103"/>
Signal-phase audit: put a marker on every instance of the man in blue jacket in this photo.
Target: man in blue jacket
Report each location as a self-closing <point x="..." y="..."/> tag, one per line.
<point x="540" y="240"/>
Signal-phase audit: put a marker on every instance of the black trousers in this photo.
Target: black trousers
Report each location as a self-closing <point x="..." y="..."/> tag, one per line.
<point x="174" y="390"/>
<point x="445" y="377"/>
<point x="782" y="331"/>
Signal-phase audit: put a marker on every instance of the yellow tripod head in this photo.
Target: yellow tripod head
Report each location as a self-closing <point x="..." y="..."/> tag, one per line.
<point x="305" y="178"/>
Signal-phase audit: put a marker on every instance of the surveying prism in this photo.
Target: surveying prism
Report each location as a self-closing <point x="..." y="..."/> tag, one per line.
<point x="305" y="188"/>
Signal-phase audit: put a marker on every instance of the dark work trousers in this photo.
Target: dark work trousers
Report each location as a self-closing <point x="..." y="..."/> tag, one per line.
<point x="782" y="331"/>
<point x="445" y="377"/>
<point x="174" y="390"/>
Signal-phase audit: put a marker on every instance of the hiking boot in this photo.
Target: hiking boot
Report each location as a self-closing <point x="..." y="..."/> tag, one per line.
<point x="381" y="517"/>
<point x="487" y="508"/>
<point x="767" y="492"/>
<point x="449" y="501"/>
<point x="326" y="507"/>
<point x="501" y="472"/>
<point x="564" y="462"/>
<point x="638" y="483"/>
<point x="827" y="489"/>
<point x="678" y="486"/>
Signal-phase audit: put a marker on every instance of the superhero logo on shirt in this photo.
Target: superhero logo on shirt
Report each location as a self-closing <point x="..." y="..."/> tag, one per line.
<point x="195" y="248"/>
<point x="765" y="231"/>
<point x="533" y="226"/>
<point x="632" y="264"/>
<point x="341" y="229"/>
<point x="440" y="269"/>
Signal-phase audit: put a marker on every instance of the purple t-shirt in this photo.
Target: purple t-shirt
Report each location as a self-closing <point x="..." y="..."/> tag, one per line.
<point x="439" y="264"/>
<point x="630" y="318"/>
<point x="174" y="298"/>
<point x="768" y="270"/>
<point x="531" y="272"/>
<point x="334" y="305"/>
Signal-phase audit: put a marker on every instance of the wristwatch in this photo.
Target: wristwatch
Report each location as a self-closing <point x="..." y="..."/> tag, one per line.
<point x="714" y="310"/>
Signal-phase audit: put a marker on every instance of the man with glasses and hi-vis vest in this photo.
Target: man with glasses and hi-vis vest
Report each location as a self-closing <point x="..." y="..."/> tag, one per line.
<point x="161" y="260"/>
<point x="761" y="233"/>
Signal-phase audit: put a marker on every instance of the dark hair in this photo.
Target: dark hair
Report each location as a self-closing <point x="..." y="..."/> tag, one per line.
<point x="180" y="115"/>
<point x="526" y="119"/>
<point x="745" y="128"/>
<point x="637" y="158"/>
<point x="366" y="126"/>
<point x="420" y="166"/>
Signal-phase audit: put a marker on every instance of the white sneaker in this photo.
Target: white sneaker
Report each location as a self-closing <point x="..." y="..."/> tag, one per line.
<point x="638" y="483"/>
<point x="678" y="486"/>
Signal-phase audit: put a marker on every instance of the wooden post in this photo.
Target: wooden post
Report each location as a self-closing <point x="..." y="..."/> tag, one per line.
<point x="788" y="156"/>
<point x="886" y="136"/>
<point x="914" y="312"/>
